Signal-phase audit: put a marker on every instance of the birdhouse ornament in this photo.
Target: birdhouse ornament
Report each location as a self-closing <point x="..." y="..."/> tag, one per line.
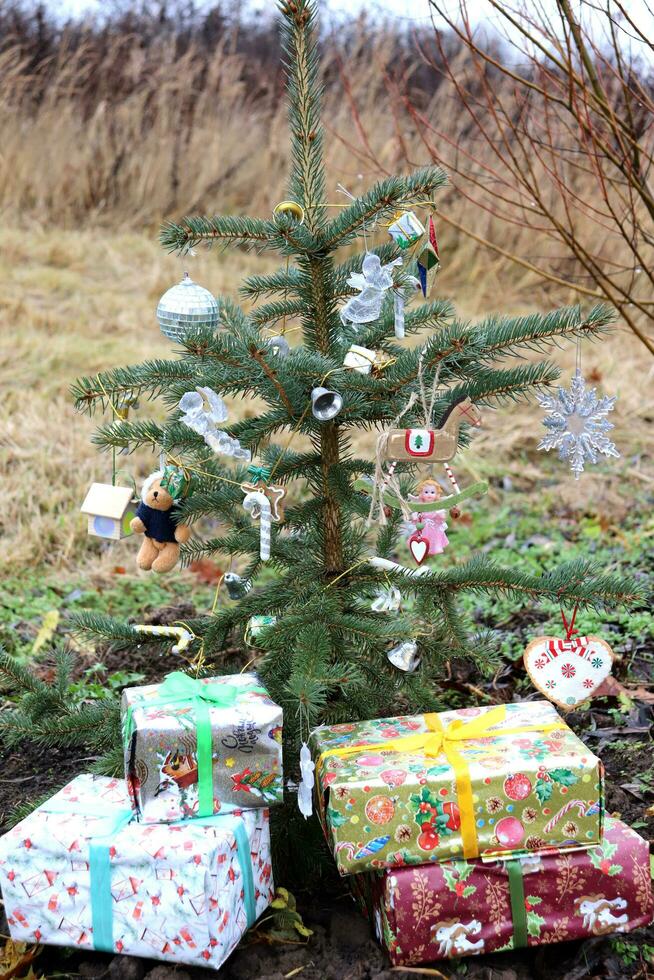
<point x="109" y="510"/>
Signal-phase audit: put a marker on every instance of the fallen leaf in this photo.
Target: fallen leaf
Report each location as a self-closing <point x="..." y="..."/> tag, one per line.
<point x="16" y="958"/>
<point x="47" y="631"/>
<point x="207" y="570"/>
<point x="613" y="688"/>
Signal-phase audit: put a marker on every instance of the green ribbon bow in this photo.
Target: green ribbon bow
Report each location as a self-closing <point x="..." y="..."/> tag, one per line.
<point x="259" y="474"/>
<point x="180" y="689"/>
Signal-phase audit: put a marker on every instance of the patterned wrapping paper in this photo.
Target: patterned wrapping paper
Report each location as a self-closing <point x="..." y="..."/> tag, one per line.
<point x="175" y="893"/>
<point x="160" y="738"/>
<point x="528" y="790"/>
<point x="464" y="908"/>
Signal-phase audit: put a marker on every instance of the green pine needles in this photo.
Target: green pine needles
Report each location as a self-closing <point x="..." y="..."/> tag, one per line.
<point x="325" y="659"/>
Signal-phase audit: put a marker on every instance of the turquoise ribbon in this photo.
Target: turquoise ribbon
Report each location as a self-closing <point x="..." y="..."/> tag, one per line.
<point x="517" y="897"/>
<point x="236" y="826"/>
<point x="100" y="872"/>
<point x="259" y="474"/>
<point x="180" y="689"/>
<point x="100" y="863"/>
<point x="99" y="868"/>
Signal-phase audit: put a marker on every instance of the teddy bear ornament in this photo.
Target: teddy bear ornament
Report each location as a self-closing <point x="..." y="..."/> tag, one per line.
<point x="155" y="520"/>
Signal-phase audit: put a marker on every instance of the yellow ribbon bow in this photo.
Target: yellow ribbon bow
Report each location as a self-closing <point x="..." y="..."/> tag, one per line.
<point x="444" y="741"/>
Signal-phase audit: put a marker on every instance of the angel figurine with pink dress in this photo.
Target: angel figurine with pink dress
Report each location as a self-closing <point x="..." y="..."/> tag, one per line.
<point x="428" y="537"/>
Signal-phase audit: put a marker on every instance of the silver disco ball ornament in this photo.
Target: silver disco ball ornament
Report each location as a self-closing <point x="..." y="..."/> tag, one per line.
<point x="184" y="307"/>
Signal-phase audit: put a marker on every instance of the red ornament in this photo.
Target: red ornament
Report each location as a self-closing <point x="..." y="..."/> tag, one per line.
<point x="517" y="786"/>
<point x="452" y="810"/>
<point x="419" y="547"/>
<point x="380" y="809"/>
<point x="428" y="839"/>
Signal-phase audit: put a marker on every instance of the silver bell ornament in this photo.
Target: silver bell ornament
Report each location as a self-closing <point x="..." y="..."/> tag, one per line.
<point x="325" y="404"/>
<point x="279" y="346"/>
<point x="184" y="307"/>
<point x="404" y="656"/>
<point x="237" y="587"/>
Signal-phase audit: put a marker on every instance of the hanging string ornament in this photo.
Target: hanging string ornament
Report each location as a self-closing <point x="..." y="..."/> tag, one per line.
<point x="577" y="424"/>
<point x="373" y="281"/>
<point x="236" y="586"/>
<point x="405" y="229"/>
<point x="568" y="671"/>
<point x="404" y="656"/>
<point x="387" y="600"/>
<point x="426" y="527"/>
<point x="305" y="788"/>
<point x="204" y="410"/>
<point x="186" y="306"/>
<point x="260" y="476"/>
<point x="258" y="506"/>
<point x="428" y="257"/>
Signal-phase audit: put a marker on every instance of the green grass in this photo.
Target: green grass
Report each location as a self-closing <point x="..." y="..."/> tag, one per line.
<point x="27" y="600"/>
<point x="528" y="533"/>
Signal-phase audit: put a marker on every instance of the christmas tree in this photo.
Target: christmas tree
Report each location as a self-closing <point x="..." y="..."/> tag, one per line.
<point x="324" y="657"/>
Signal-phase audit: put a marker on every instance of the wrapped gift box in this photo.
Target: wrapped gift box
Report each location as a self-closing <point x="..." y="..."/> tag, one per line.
<point x="80" y="871"/>
<point x="462" y="908"/>
<point x="193" y="745"/>
<point x="478" y="781"/>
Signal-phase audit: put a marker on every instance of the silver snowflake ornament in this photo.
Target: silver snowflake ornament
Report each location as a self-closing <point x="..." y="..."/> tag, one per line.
<point x="577" y="424"/>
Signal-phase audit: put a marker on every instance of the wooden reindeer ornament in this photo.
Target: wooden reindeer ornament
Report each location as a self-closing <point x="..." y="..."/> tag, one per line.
<point x="432" y="445"/>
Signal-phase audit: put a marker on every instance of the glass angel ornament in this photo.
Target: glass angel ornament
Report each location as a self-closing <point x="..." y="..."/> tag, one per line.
<point x="577" y="424"/>
<point x="305" y="788"/>
<point x="373" y="281"/>
<point x="203" y="411"/>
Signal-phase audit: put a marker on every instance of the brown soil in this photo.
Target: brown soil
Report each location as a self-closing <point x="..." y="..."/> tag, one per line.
<point x="342" y="947"/>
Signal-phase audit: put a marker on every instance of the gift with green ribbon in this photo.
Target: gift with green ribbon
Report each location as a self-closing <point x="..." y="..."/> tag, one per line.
<point x="465" y="908"/>
<point x="81" y="871"/>
<point x="191" y="744"/>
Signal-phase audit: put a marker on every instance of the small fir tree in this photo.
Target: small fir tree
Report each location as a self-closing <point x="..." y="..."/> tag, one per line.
<point x="325" y="659"/>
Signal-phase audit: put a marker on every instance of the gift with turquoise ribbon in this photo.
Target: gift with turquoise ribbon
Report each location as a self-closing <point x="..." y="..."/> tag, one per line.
<point x="82" y="871"/>
<point x="193" y="744"/>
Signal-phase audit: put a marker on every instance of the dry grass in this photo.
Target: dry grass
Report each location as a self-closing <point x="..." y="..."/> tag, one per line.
<point x="76" y="302"/>
<point x="83" y="186"/>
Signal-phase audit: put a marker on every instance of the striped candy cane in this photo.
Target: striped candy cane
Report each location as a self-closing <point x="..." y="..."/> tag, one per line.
<point x="451" y="478"/>
<point x="183" y="636"/>
<point x="258" y="505"/>
<point x="570" y="805"/>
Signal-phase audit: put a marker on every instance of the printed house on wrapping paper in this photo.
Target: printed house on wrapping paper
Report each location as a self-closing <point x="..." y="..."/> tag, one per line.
<point x="110" y="511"/>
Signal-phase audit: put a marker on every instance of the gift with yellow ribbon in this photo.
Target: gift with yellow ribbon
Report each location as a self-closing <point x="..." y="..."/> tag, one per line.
<point x="493" y="781"/>
<point x="193" y="744"/>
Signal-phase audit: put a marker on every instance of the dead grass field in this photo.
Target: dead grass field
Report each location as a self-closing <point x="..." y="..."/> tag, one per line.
<point x="75" y="302"/>
<point x="122" y="134"/>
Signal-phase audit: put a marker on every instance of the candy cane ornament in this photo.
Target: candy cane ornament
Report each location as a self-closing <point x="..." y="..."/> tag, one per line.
<point x="183" y="636"/>
<point x="257" y="505"/>
<point x="451" y="478"/>
<point x="579" y="805"/>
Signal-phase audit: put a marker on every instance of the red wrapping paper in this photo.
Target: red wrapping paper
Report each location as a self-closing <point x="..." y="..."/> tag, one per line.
<point x="464" y="908"/>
